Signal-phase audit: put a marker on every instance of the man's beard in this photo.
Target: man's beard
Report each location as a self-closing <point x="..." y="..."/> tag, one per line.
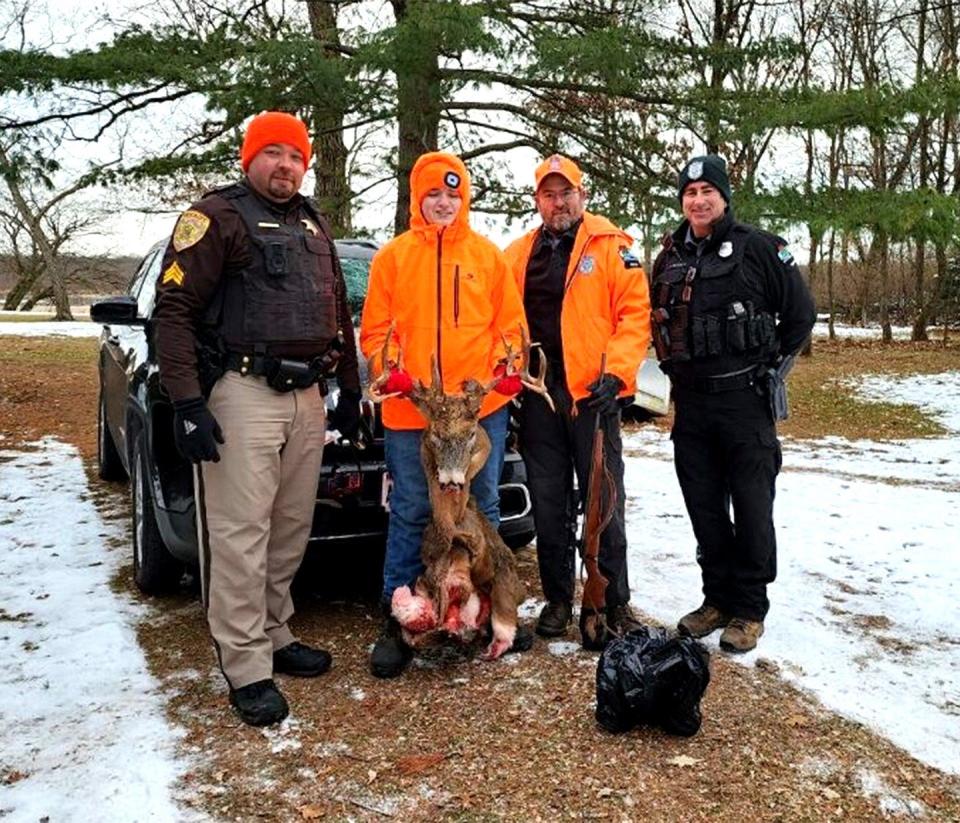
<point x="560" y="222"/>
<point x="281" y="187"/>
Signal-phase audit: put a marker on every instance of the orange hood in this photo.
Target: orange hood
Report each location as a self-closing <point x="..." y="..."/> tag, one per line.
<point x="433" y="170"/>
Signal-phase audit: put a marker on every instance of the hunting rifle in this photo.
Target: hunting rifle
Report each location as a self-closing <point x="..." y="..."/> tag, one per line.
<point x="593" y="623"/>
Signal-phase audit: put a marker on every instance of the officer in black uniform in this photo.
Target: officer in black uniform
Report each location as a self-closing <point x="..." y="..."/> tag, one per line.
<point x="251" y="314"/>
<point x="730" y="309"/>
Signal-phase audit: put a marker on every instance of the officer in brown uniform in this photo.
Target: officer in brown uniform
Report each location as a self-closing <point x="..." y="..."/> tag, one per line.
<point x="250" y="315"/>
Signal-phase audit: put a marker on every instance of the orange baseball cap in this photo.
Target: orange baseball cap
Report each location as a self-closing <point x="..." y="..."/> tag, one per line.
<point x="274" y="127"/>
<point x="558" y="164"/>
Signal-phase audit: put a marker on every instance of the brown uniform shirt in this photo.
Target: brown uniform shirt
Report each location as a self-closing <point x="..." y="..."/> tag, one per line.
<point x="190" y="277"/>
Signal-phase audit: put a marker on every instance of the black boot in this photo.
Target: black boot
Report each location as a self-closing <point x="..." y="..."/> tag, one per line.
<point x="522" y="641"/>
<point x="260" y="703"/>
<point x="301" y="660"/>
<point x="390" y="654"/>
<point x="554" y="619"/>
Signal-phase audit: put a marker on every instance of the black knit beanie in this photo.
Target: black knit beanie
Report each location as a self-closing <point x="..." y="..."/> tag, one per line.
<point x="710" y="168"/>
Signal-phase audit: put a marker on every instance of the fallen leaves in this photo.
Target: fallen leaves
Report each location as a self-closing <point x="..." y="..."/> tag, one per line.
<point x="684" y="761"/>
<point x="419" y="763"/>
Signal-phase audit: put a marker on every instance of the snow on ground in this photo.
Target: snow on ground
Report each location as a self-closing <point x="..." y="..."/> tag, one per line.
<point x="863" y="612"/>
<point x="49" y="328"/>
<point x="81" y="723"/>
<point x="847" y="331"/>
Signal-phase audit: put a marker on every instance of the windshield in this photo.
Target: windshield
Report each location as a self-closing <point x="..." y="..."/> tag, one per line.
<point x="355" y="273"/>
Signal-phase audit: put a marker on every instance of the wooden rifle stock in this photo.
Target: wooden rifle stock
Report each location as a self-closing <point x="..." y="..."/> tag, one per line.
<point x="595" y="520"/>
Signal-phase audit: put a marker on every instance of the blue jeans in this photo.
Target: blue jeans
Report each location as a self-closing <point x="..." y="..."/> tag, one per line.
<point x="410" y="500"/>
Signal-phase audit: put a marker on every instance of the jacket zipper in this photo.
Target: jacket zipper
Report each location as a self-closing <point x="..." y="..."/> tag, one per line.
<point x="439" y="303"/>
<point x="456" y="296"/>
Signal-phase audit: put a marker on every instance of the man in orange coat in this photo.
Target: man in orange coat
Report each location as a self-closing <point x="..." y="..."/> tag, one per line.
<point x="449" y="294"/>
<point x="586" y="298"/>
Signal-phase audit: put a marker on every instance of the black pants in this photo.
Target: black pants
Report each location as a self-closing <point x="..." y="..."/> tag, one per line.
<point x="554" y="446"/>
<point x="726" y="453"/>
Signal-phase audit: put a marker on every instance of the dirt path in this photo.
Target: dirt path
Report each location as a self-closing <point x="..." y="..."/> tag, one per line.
<point x="515" y="740"/>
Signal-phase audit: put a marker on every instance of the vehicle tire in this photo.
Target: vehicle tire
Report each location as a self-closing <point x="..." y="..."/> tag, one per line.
<point x="518" y="541"/>
<point x="155" y="570"/>
<point x="109" y="464"/>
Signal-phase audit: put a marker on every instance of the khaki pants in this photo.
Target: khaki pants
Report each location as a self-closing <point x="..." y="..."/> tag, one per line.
<point x="254" y="512"/>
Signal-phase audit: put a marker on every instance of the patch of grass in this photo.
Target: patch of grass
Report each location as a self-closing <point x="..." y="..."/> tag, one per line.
<point x="833" y="409"/>
<point x="21" y="317"/>
<point x="823" y="403"/>
<point x="45" y="351"/>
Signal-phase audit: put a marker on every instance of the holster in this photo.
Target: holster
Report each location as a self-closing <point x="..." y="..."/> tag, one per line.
<point x="285" y="375"/>
<point x="775" y="388"/>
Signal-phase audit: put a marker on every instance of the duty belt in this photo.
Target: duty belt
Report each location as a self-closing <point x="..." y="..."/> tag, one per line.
<point x="282" y="374"/>
<point x="717" y="383"/>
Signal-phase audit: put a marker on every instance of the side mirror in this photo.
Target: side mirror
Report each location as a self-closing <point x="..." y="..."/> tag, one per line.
<point x="120" y="311"/>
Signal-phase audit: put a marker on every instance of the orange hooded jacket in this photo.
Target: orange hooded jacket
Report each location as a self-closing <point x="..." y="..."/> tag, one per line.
<point x="606" y="304"/>
<point x="450" y="293"/>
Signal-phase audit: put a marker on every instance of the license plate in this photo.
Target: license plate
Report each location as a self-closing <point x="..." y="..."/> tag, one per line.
<point x="385" y="488"/>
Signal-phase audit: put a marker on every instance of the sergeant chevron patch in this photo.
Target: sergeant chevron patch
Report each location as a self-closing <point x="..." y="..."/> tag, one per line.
<point x="173" y="274"/>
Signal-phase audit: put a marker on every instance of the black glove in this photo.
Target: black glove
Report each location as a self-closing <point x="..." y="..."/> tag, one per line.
<point x="346" y="416"/>
<point x="603" y="394"/>
<point x="195" y="431"/>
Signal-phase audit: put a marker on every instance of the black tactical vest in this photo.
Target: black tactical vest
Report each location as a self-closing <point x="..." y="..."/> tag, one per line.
<point x="706" y="320"/>
<point x="287" y="294"/>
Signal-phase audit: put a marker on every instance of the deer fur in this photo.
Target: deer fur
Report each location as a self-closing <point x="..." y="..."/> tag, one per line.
<point x="470" y="573"/>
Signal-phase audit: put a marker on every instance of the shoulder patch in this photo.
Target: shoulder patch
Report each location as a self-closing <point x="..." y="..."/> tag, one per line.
<point x="784" y="253"/>
<point x="173" y="274"/>
<point x="630" y="260"/>
<point x="190" y="229"/>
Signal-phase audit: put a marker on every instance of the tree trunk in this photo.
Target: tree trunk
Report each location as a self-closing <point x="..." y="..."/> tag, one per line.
<point x="36" y="297"/>
<point x="830" y="307"/>
<point x="21" y="288"/>
<point x="919" y="331"/>
<point x="418" y="105"/>
<point x="945" y="317"/>
<point x="884" y="243"/>
<point x="815" y="239"/>
<point x="331" y="189"/>
<point x="31" y="220"/>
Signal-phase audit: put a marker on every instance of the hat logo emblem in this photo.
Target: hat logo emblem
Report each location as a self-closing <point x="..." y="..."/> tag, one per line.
<point x="555" y="163"/>
<point x="695" y="171"/>
<point x="451" y="179"/>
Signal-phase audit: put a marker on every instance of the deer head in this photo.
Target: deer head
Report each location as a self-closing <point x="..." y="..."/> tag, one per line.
<point x="454" y="447"/>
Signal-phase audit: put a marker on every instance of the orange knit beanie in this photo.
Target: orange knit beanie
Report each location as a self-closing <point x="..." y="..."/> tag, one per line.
<point x="274" y="127"/>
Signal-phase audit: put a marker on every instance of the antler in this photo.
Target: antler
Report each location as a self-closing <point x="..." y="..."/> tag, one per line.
<point x="374" y="386"/>
<point x="536" y="384"/>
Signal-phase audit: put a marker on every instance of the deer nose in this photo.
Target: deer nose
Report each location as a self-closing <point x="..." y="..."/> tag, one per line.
<point x="451" y="481"/>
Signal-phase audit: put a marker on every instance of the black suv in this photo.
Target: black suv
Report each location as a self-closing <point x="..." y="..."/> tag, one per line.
<point x="135" y="439"/>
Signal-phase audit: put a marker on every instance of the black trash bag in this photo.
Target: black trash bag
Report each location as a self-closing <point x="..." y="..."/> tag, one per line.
<point x="649" y="678"/>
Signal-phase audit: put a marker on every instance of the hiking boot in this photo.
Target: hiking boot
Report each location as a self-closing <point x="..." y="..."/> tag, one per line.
<point x="522" y="641"/>
<point x="621" y="619"/>
<point x="701" y="622"/>
<point x="260" y="703"/>
<point x="300" y="660"/>
<point x="554" y="619"/>
<point x="390" y="655"/>
<point x="741" y="635"/>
